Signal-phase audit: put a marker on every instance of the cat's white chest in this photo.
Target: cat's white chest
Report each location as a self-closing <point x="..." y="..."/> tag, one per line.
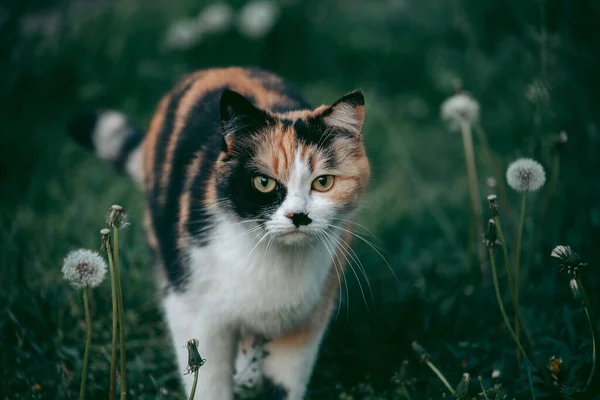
<point x="258" y="287"/>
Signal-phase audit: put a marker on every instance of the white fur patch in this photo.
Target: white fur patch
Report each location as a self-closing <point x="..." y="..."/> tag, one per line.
<point x="343" y="116"/>
<point x="109" y="135"/>
<point x="134" y="166"/>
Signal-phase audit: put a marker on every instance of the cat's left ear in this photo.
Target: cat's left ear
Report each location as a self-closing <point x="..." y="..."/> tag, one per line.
<point x="347" y="114"/>
<point x="239" y="117"/>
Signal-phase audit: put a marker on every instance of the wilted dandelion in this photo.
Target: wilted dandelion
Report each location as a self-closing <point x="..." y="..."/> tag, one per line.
<point x="195" y="361"/>
<point x="425" y="358"/>
<point x="554" y="367"/>
<point x="525" y="175"/>
<point x="84" y="268"/>
<point x="458" y="109"/>
<point x="571" y="263"/>
<point x="257" y="18"/>
<point x="117" y="219"/>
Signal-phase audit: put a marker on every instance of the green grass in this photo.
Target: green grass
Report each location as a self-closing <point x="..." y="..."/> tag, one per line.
<point x="405" y="55"/>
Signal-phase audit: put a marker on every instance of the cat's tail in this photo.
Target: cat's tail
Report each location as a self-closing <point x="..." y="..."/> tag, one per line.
<point x="112" y="137"/>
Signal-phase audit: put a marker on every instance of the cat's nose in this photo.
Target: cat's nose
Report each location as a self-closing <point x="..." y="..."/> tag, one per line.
<point x="299" y="219"/>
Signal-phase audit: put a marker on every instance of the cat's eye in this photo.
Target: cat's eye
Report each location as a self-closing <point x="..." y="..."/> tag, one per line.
<point x="323" y="183"/>
<point x="264" y="184"/>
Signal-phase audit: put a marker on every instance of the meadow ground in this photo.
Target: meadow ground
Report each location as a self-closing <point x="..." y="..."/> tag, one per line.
<point x="533" y="68"/>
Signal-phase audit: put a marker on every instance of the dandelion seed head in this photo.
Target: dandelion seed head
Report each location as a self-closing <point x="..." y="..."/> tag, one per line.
<point x="216" y="17"/>
<point x="257" y="18"/>
<point x="525" y="175"/>
<point x="84" y="268"/>
<point x="495" y="374"/>
<point x="458" y="109"/>
<point x="491" y="183"/>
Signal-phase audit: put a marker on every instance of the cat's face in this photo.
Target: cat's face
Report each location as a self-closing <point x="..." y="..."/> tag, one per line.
<point x="296" y="175"/>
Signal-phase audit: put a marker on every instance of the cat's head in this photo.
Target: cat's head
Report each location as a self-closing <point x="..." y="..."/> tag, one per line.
<point x="298" y="174"/>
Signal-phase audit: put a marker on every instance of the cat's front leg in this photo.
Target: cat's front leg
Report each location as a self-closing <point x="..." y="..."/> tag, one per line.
<point x="288" y="364"/>
<point x="215" y="344"/>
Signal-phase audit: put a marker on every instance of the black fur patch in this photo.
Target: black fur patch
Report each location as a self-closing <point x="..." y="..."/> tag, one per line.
<point x="273" y="391"/>
<point x="276" y="84"/>
<point x="164" y="219"/>
<point x="81" y="127"/>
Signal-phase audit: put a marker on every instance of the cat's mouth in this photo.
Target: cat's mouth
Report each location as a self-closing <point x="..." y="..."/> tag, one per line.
<point x="294" y="236"/>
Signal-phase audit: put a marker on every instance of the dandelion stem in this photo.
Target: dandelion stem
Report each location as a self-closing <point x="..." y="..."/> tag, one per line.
<point x="440" y="376"/>
<point x="518" y="259"/>
<point x="88" y="342"/>
<point x="593" y="379"/>
<point x="500" y="304"/>
<point x="483" y="391"/>
<point x="474" y="192"/>
<point x="193" y="392"/>
<point x="115" y="318"/>
<point x="509" y="277"/>
<point x="121" y="315"/>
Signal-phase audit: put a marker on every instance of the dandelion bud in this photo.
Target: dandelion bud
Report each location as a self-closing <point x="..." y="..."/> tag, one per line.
<point x="493" y="205"/>
<point x="423" y="355"/>
<point x="117" y="217"/>
<point x="554" y="367"/>
<point x="84" y="268"/>
<point x="491" y="238"/>
<point x="525" y="175"/>
<point x="460" y="108"/>
<point x="105" y="235"/>
<point x="195" y="361"/>
<point x="462" y="389"/>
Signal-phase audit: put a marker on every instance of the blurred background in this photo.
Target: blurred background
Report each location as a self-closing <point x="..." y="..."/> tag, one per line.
<point x="532" y="65"/>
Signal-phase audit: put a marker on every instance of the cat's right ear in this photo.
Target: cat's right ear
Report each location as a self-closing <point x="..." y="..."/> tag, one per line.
<point x="239" y="117"/>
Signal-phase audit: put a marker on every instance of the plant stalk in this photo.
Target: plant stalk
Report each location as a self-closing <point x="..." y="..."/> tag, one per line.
<point x="440" y="376"/>
<point x="518" y="260"/>
<point x="474" y="193"/>
<point x="509" y="277"/>
<point x="88" y="342"/>
<point x="593" y="379"/>
<point x="193" y="392"/>
<point x="121" y="315"/>
<point x="501" y="305"/>
<point x="115" y="318"/>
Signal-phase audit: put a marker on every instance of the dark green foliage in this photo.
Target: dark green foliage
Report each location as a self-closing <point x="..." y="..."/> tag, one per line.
<point x="56" y="57"/>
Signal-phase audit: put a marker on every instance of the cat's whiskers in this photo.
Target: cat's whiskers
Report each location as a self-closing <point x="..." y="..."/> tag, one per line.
<point x="337" y="246"/>
<point x="347" y="249"/>
<point x="323" y="239"/>
<point x="374" y="247"/>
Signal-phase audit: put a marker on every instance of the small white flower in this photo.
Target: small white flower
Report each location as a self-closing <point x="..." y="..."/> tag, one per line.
<point x="561" y="252"/>
<point x="215" y="18"/>
<point x="84" y="268"/>
<point x="257" y="18"/>
<point x="525" y="175"/>
<point x="458" y="109"/>
<point x="495" y="374"/>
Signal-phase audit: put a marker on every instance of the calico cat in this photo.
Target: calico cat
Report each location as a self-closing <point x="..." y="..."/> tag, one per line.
<point x="248" y="194"/>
